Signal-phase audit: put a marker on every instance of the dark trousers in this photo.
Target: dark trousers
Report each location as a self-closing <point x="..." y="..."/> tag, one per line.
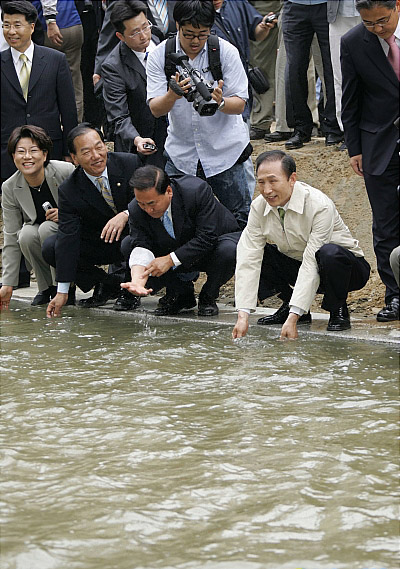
<point x="299" y="23"/>
<point x="92" y="253"/>
<point x="383" y="196"/>
<point x="92" y="107"/>
<point x="339" y="269"/>
<point x="219" y="265"/>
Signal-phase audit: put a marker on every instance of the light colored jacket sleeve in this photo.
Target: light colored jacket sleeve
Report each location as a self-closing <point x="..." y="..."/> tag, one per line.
<point x="250" y="252"/>
<point x="12" y="224"/>
<point x="308" y="278"/>
<point x="18" y="209"/>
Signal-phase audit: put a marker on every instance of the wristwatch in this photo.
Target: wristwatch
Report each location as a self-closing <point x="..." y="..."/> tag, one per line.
<point x="50" y="20"/>
<point x="221" y="105"/>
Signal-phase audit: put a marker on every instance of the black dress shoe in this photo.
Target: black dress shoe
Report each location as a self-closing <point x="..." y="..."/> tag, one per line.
<point x="332" y="139"/>
<point x="297" y="140"/>
<point x="173" y="304"/>
<point x="71" y="300"/>
<point x="277" y="136"/>
<point x="207" y="306"/>
<point x="389" y="312"/>
<point x="126" y="301"/>
<point x="257" y="133"/>
<point x="339" y="319"/>
<point x="101" y="294"/>
<point x="280" y="317"/>
<point x="44" y="296"/>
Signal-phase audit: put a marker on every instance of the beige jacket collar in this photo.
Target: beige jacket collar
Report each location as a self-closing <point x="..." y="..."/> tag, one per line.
<point x="296" y="202"/>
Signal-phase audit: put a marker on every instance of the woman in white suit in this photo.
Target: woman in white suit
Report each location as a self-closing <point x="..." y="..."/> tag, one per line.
<point x="30" y="214"/>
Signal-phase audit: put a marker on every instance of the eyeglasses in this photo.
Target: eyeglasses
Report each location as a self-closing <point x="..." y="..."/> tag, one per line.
<point x="142" y="31"/>
<point x="31" y="152"/>
<point x="191" y="36"/>
<point x="16" y="27"/>
<point x="382" y="22"/>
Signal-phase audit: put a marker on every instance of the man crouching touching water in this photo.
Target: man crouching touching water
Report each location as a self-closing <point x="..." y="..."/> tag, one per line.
<point x="178" y="228"/>
<point x="296" y="244"/>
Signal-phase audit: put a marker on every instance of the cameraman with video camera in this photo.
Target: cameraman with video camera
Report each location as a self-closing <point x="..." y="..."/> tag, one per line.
<point x="208" y="139"/>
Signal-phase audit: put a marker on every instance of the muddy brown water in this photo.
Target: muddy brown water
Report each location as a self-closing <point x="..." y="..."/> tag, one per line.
<point x="130" y="445"/>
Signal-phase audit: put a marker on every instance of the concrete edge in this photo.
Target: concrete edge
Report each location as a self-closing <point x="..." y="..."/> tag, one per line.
<point x="363" y="329"/>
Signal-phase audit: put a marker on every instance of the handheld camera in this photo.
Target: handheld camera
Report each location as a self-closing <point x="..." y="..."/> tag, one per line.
<point x="200" y="89"/>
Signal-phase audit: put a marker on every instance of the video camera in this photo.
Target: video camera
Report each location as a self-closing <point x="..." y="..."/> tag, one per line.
<point x="200" y="90"/>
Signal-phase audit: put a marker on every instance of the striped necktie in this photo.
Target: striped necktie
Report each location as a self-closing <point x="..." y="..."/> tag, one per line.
<point x="24" y="75"/>
<point x="394" y="55"/>
<point x="162" y="11"/>
<point x="281" y="212"/>
<point x="167" y="222"/>
<point x="106" y="193"/>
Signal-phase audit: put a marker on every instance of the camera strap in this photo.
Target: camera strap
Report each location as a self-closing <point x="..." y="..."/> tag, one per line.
<point x="214" y="57"/>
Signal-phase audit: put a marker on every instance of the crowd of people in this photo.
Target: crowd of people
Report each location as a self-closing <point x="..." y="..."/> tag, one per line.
<point x="181" y="88"/>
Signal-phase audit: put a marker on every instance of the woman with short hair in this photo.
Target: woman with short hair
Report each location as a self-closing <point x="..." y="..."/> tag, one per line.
<point x="30" y="213"/>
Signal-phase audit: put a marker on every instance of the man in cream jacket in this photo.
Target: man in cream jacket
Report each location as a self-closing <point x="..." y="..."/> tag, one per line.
<point x="296" y="244"/>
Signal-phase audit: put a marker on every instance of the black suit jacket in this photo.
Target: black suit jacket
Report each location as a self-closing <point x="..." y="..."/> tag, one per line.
<point x="108" y="40"/>
<point x="370" y="100"/>
<point x="198" y="219"/>
<point x="124" y="93"/>
<point x="83" y="212"/>
<point x="51" y="101"/>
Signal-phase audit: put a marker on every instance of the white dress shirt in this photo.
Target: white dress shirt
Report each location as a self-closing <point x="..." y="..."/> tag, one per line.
<point x="142" y="256"/>
<point x="141" y="55"/>
<point x="18" y="62"/>
<point x="216" y="141"/>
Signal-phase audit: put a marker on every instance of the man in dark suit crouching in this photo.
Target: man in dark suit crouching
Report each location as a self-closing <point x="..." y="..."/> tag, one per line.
<point x="178" y="228"/>
<point x="92" y="219"/>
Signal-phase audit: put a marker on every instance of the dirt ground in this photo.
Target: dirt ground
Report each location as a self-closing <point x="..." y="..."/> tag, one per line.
<point x="328" y="170"/>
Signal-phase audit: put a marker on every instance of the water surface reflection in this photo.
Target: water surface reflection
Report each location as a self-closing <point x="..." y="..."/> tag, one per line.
<point x="134" y="445"/>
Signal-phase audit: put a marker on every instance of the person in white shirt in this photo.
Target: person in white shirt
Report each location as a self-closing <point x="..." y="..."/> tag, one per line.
<point x="295" y="243"/>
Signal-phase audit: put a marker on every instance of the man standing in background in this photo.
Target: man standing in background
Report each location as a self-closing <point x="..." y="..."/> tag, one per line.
<point x="342" y="17"/>
<point x="370" y="108"/>
<point x="124" y="77"/>
<point x="64" y="29"/>
<point x="36" y="84"/>
<point x="301" y="20"/>
<point x="263" y="54"/>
